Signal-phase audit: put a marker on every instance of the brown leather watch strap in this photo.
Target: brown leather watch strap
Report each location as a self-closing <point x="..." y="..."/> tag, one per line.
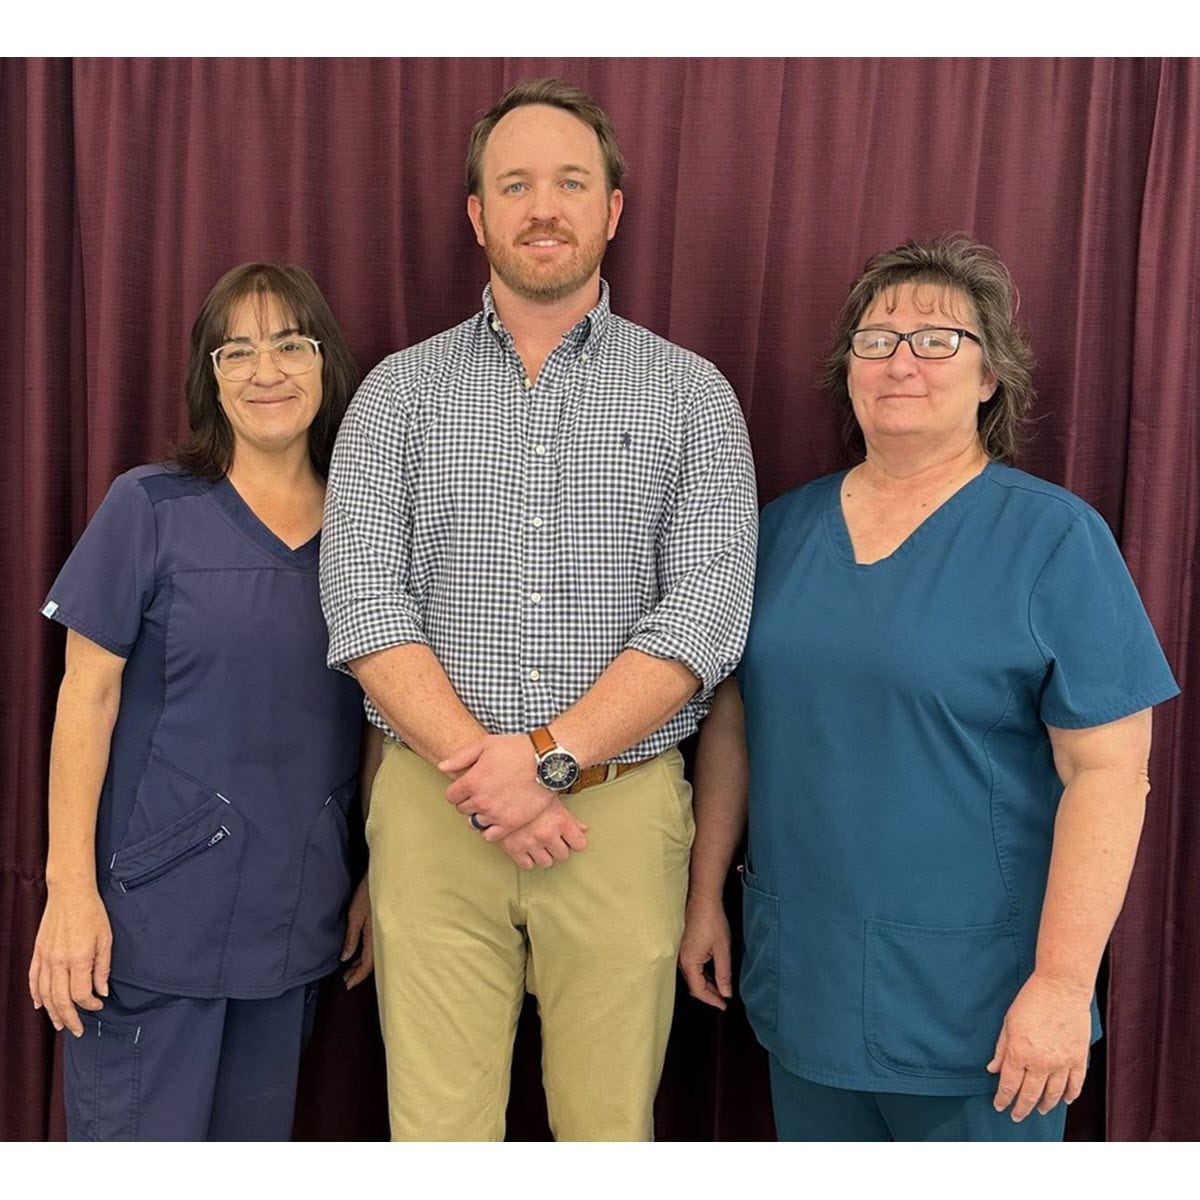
<point x="543" y="741"/>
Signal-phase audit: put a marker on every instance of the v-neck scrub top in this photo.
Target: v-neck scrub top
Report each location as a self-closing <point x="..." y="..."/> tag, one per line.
<point x="221" y="840"/>
<point x="902" y="784"/>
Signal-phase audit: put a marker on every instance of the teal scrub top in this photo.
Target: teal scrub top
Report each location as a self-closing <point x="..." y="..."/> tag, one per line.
<point x="902" y="785"/>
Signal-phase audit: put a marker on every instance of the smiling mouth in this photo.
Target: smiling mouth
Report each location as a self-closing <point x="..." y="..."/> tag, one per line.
<point x="539" y="237"/>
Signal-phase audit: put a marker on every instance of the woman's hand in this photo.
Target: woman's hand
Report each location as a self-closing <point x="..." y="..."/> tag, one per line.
<point x="706" y="940"/>
<point x="71" y="956"/>
<point x="1041" y="1055"/>
<point x="358" y="928"/>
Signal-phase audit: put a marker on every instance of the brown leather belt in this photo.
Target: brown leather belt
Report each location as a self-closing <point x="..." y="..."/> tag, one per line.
<point x="601" y="773"/>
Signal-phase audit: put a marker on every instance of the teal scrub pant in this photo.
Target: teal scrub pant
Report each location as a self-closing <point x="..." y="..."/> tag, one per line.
<point x="157" y="1068"/>
<point x="811" y="1112"/>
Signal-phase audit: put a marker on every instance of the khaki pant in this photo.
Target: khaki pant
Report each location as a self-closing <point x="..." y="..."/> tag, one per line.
<point x="461" y="933"/>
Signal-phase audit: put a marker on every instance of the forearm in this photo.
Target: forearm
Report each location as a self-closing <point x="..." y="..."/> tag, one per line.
<point x="1095" y="840"/>
<point x="720" y="794"/>
<point x="79" y="751"/>
<point x="635" y="695"/>
<point x="411" y="690"/>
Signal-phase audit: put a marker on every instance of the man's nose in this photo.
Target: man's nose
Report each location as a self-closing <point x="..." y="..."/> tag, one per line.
<point x="544" y="203"/>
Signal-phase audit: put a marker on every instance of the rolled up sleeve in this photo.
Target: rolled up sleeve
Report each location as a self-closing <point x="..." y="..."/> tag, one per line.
<point x="706" y="552"/>
<point x="366" y="539"/>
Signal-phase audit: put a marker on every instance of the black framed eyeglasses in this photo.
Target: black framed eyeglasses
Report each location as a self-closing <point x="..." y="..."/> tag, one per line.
<point x="924" y="343"/>
<point x="293" y="355"/>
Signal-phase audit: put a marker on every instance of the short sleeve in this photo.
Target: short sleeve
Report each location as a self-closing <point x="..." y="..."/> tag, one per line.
<point x="1104" y="660"/>
<point x="107" y="583"/>
<point x="705" y="555"/>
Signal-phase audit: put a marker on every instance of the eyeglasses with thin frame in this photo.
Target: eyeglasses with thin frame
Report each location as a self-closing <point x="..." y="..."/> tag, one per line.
<point x="237" y="361"/>
<point x="924" y="343"/>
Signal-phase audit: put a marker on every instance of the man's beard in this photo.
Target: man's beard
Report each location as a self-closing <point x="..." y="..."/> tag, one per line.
<point x="540" y="282"/>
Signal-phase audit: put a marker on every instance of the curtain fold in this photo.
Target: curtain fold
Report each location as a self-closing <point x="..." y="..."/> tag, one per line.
<point x="757" y="190"/>
<point x="42" y="426"/>
<point x="1154" y="994"/>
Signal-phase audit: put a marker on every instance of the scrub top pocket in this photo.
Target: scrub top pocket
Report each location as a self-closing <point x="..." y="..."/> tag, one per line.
<point x="319" y="921"/>
<point x="760" y="967"/>
<point x="934" y="999"/>
<point x="170" y="898"/>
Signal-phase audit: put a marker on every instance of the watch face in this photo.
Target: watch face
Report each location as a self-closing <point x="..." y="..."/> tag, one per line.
<point x="558" y="770"/>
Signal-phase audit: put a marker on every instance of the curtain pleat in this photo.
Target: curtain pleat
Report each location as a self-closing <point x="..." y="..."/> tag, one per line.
<point x="1154" y="993"/>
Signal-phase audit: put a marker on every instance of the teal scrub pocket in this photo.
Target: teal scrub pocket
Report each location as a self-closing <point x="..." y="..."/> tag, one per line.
<point x="934" y="999"/>
<point x="760" y="968"/>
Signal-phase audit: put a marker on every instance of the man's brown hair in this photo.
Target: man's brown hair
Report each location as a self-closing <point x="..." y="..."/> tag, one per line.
<point x="557" y="94"/>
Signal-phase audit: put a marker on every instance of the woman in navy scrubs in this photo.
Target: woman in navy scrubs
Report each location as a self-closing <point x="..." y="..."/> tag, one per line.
<point x="204" y="759"/>
<point x="942" y="732"/>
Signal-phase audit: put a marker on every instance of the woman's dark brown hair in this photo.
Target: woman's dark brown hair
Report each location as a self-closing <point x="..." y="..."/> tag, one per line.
<point x="959" y="264"/>
<point x="209" y="450"/>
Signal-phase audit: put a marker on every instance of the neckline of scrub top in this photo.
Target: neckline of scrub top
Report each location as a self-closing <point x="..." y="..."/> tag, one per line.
<point x="247" y="523"/>
<point x="839" y="532"/>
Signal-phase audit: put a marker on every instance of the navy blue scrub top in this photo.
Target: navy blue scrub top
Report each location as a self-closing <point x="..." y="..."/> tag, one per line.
<point x="221" y="841"/>
<point x="902" y="784"/>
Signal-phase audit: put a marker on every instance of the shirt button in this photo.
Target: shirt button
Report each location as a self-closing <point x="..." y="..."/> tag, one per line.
<point x="528" y="383"/>
<point x="535" y="597"/>
<point x="536" y="522"/>
<point x="535" y="674"/>
<point x="585" y="356"/>
<point x="539" y="450"/>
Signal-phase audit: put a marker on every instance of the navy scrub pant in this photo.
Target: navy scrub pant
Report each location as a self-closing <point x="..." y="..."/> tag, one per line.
<point x="811" y="1112"/>
<point x="151" y="1067"/>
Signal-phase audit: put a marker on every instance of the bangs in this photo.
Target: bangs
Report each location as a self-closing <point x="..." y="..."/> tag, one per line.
<point x="931" y="291"/>
<point x="261" y="285"/>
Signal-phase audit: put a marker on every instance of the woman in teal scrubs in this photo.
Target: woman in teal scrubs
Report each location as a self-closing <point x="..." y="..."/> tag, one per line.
<point x="941" y="728"/>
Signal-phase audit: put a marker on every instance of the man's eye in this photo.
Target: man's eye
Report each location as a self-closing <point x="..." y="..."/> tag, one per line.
<point x="513" y="188"/>
<point x="573" y="185"/>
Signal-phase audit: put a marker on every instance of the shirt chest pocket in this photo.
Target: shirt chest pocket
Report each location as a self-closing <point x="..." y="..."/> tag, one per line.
<point x="629" y="466"/>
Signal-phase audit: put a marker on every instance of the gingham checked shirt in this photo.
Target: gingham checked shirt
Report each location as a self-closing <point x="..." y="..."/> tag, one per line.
<point x="528" y="533"/>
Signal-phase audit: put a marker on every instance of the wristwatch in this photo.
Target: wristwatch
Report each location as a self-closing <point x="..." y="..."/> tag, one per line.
<point x="557" y="768"/>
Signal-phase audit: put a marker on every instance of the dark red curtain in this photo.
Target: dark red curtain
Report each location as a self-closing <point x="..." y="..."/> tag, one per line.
<point x="757" y="190"/>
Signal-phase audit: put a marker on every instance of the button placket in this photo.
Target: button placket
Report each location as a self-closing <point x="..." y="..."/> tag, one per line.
<point x="544" y="410"/>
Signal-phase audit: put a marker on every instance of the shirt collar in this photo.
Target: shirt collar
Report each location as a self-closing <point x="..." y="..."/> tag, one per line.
<point x="585" y="335"/>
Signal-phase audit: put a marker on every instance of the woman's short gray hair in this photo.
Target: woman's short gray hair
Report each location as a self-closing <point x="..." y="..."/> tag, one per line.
<point x="959" y="264"/>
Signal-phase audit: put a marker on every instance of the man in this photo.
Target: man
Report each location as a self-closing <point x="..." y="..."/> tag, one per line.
<point x="538" y="560"/>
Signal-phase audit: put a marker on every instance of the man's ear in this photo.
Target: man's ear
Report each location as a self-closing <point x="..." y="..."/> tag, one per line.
<point x="616" y="202"/>
<point x="475" y="215"/>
